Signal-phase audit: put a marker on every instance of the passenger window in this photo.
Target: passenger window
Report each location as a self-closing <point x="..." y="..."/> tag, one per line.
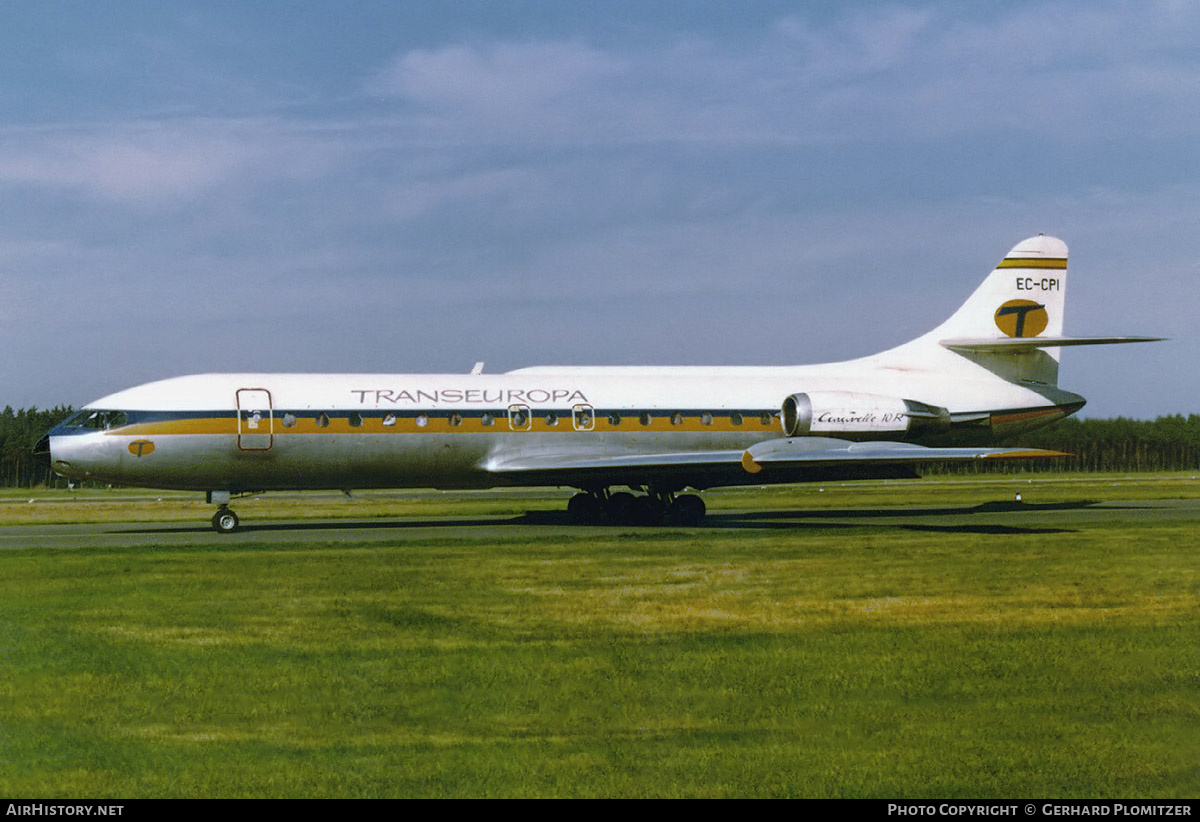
<point x="487" y="419"/>
<point x="735" y="418"/>
<point x="322" y="420"/>
<point x="765" y="417"/>
<point x="355" y="420"/>
<point x="422" y="420"/>
<point x="583" y="417"/>
<point x="645" y="418"/>
<point x="706" y="418"/>
<point x="677" y="418"/>
<point x="519" y="417"/>
<point x="456" y="419"/>
<point x="289" y="420"/>
<point x="389" y="420"/>
<point x="614" y="419"/>
<point x="552" y="418"/>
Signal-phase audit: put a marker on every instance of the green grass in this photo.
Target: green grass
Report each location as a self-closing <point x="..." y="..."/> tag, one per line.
<point x="876" y="661"/>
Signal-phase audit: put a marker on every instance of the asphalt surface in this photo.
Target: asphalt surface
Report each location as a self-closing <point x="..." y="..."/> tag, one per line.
<point x="989" y="518"/>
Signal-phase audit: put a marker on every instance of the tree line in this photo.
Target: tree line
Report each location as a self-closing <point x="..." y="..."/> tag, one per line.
<point x="1170" y="443"/>
<point x="19" y="432"/>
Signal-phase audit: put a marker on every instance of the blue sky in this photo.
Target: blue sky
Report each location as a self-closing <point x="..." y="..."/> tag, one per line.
<point x="401" y="187"/>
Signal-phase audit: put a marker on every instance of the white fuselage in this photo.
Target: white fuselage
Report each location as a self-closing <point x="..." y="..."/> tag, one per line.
<point x="241" y="432"/>
<point x="990" y="370"/>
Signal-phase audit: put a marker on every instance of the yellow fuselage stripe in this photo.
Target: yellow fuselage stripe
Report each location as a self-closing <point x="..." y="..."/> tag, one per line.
<point x="437" y="425"/>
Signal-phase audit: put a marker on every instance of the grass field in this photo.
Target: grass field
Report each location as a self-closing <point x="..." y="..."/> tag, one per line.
<point x="40" y="506"/>
<point x="815" y="661"/>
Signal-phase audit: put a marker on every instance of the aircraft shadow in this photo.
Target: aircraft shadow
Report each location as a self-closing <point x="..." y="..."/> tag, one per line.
<point x="808" y="519"/>
<point x="859" y="518"/>
<point x="862" y="517"/>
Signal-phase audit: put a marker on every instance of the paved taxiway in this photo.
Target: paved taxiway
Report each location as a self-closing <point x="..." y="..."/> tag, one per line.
<point x="995" y="517"/>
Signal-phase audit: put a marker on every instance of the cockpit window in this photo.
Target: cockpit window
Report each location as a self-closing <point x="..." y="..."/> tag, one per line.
<point x="97" y="420"/>
<point x="76" y="420"/>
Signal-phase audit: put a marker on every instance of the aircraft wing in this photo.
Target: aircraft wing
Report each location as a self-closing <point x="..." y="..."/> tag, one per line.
<point x="796" y="459"/>
<point x="812" y="451"/>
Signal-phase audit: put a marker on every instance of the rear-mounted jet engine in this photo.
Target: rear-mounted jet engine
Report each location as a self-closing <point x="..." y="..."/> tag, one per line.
<point x="851" y="415"/>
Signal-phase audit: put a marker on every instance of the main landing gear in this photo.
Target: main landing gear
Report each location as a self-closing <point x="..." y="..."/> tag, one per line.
<point x="624" y="508"/>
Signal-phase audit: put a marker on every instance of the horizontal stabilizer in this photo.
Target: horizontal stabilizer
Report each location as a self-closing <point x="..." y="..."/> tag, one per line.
<point x="1015" y="345"/>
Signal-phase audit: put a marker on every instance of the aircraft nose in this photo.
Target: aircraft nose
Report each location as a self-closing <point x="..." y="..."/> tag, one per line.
<point x="42" y="454"/>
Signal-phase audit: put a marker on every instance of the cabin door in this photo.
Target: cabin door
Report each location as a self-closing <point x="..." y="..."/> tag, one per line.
<point x="256" y="419"/>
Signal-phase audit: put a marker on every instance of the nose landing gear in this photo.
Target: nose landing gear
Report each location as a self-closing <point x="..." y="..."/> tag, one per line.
<point x="225" y="521"/>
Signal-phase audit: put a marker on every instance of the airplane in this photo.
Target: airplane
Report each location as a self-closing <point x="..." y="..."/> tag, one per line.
<point x="988" y="373"/>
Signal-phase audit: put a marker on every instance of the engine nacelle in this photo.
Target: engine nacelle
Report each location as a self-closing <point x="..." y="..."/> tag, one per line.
<point x="851" y="415"/>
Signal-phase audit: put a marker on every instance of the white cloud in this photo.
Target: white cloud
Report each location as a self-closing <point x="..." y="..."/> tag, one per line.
<point x="501" y="77"/>
<point x="155" y="163"/>
<point x="897" y="73"/>
<point x="1058" y="72"/>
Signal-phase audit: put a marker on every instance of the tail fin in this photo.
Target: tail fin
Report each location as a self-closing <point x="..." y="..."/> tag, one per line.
<point x="1013" y="323"/>
<point x="1021" y="299"/>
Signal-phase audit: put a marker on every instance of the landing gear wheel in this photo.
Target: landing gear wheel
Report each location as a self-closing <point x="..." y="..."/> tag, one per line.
<point x="648" y="511"/>
<point x="619" y="507"/>
<point x="686" y="510"/>
<point x="585" y="509"/>
<point x="225" y="521"/>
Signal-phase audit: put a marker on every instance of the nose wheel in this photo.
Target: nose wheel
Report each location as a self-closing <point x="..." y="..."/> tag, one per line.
<point x="224" y="521"/>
